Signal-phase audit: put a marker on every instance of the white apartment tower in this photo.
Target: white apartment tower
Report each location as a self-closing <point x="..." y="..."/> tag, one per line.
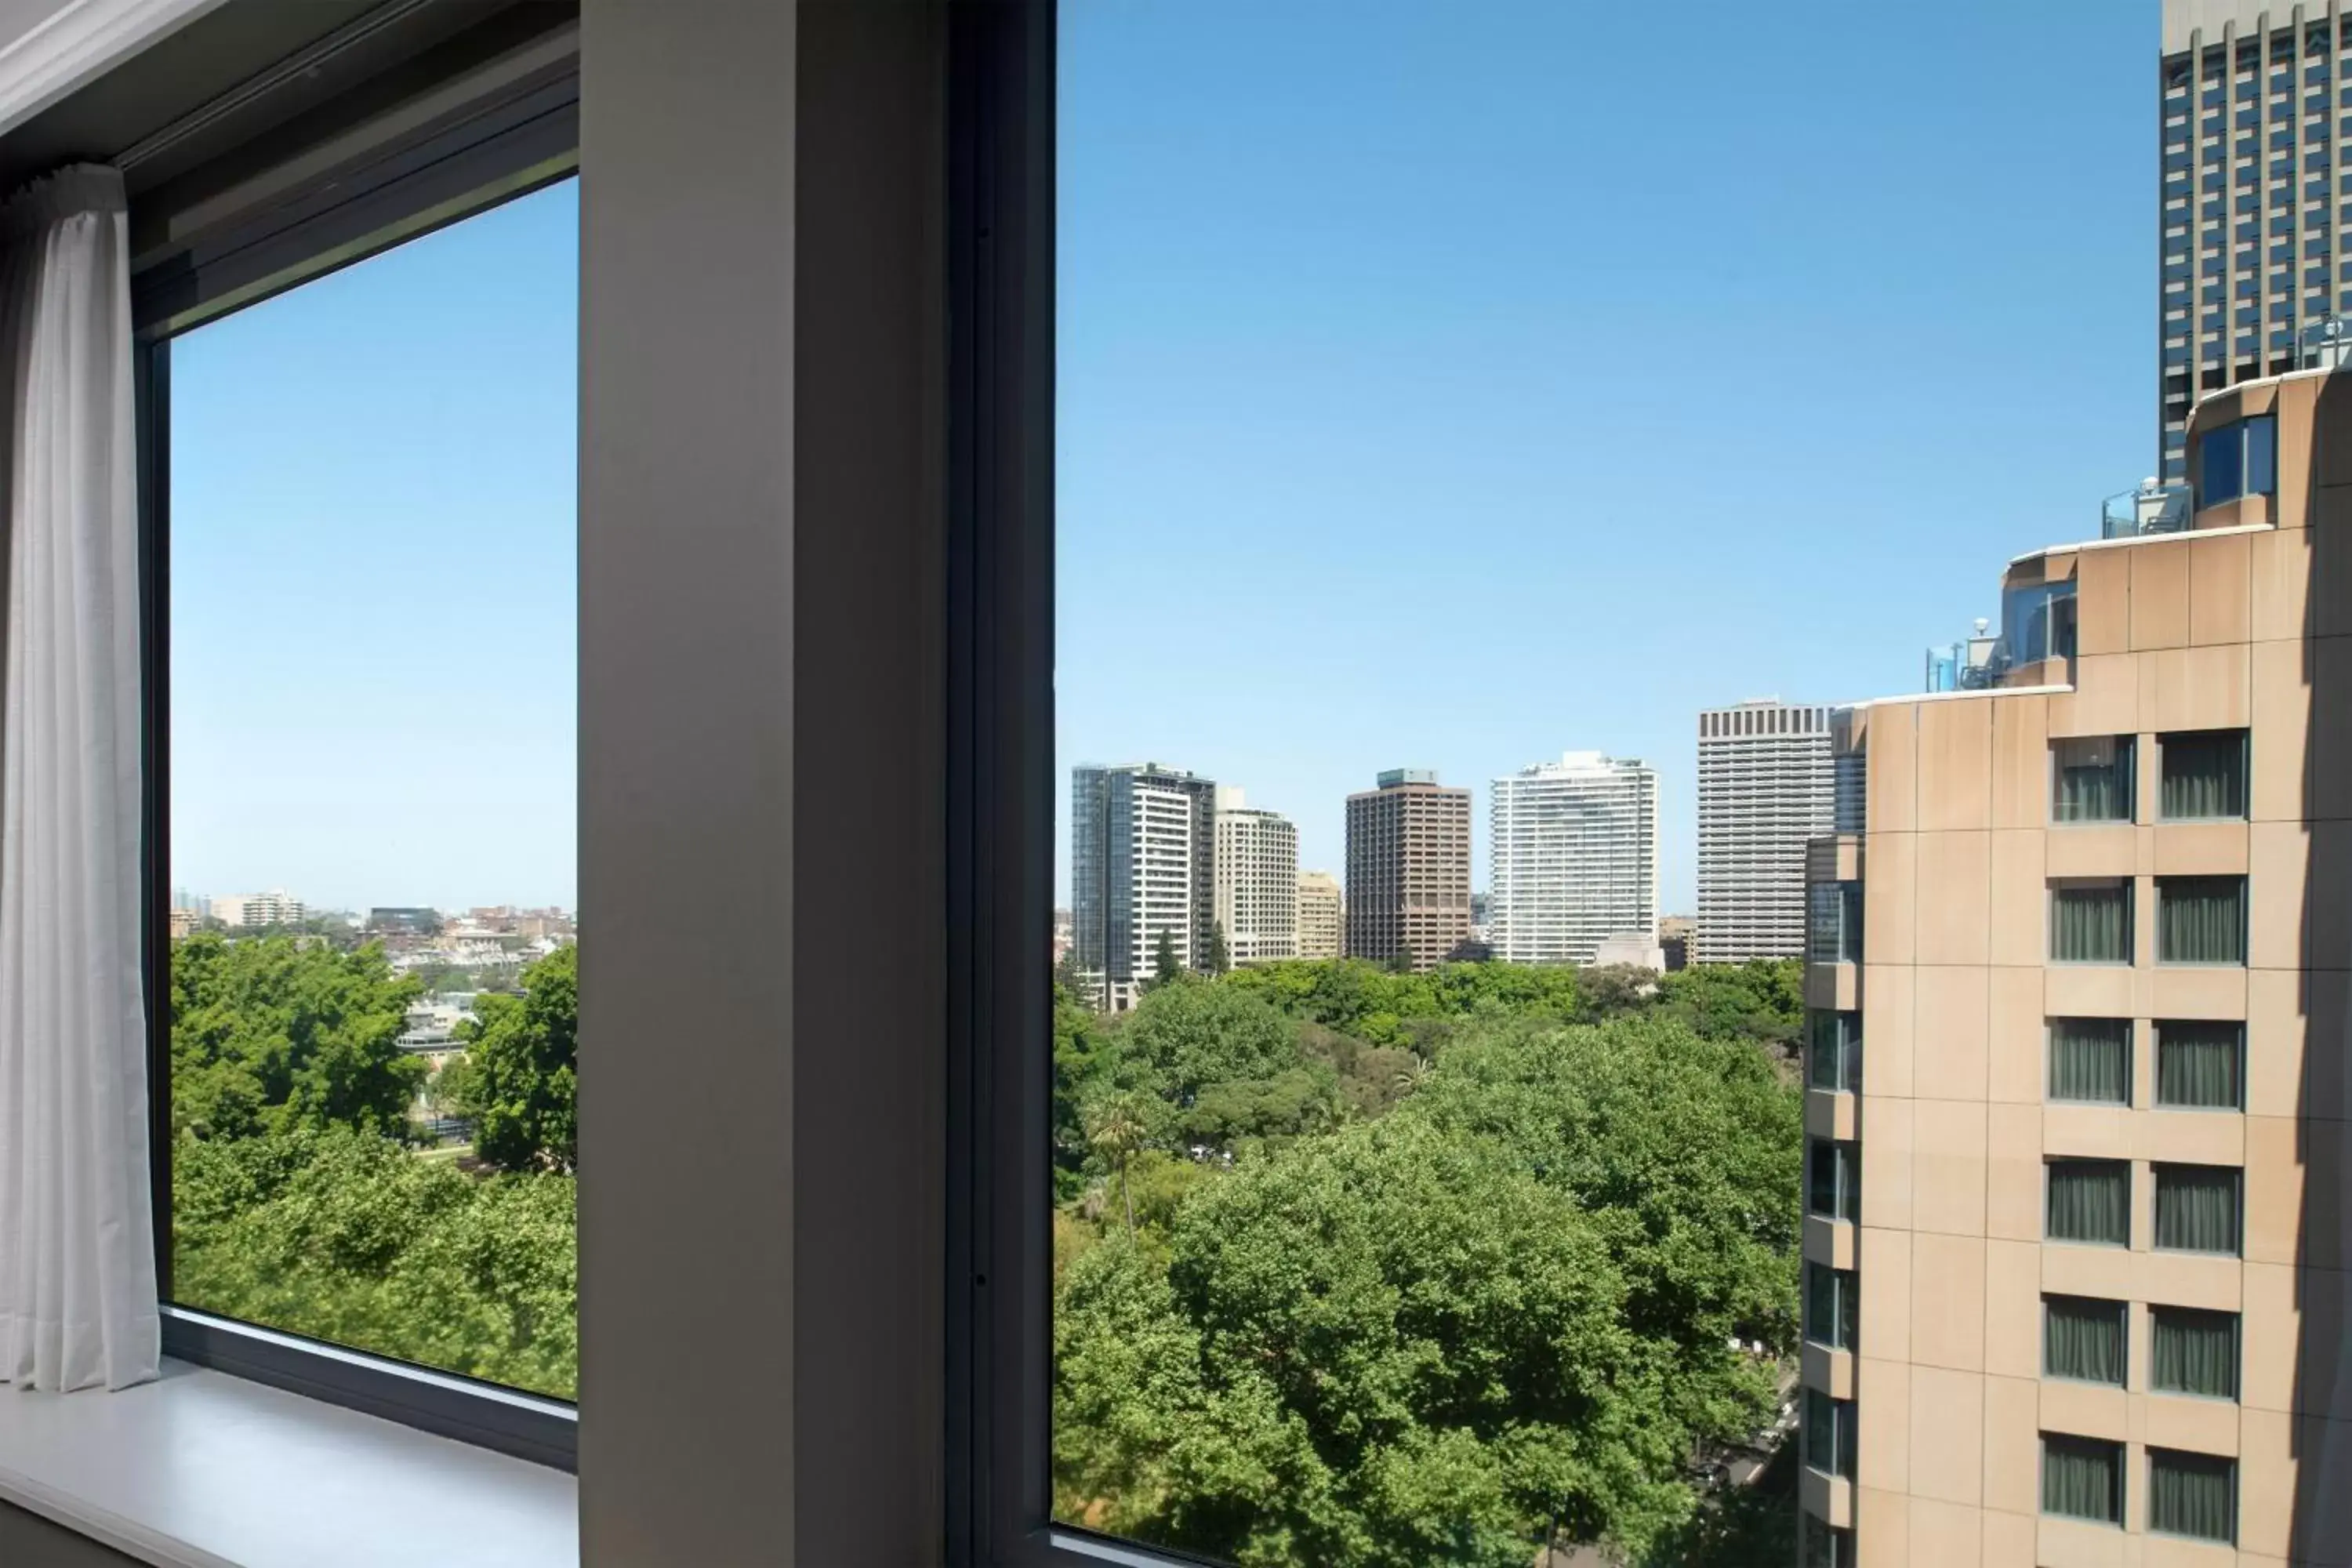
<point x="1765" y="783"/>
<point x="1575" y="858"/>
<point x="1257" y="881"/>
<point x="1142" y="866"/>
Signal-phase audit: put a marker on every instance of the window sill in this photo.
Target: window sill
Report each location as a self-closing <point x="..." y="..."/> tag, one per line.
<point x="200" y="1470"/>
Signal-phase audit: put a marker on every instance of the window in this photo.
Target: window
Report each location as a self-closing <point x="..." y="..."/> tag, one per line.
<point x="2194" y="1494"/>
<point x="370" y="857"/>
<point x="2191" y="1352"/>
<point x="2082" y="1478"/>
<point x="1834" y="1054"/>
<point x="2199" y="1064"/>
<point x="2084" y="1339"/>
<point x="2238" y="459"/>
<point x="2091" y="779"/>
<point x="2198" y="1208"/>
<point x="2091" y="921"/>
<point x="2090" y="1060"/>
<point x="1834" y="921"/>
<point x="1834" y="1186"/>
<point x="1828" y="1434"/>
<point x="1827" y="1545"/>
<point x="2201" y="919"/>
<point x="2204" y="775"/>
<point x="1830" y="1305"/>
<point x="2088" y="1201"/>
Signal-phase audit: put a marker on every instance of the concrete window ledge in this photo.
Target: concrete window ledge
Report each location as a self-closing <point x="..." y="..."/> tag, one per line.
<point x="200" y="1470"/>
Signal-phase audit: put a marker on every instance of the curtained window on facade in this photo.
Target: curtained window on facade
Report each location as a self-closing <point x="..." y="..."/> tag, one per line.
<point x="2091" y="922"/>
<point x="2082" y="1478"/>
<point x="2084" y="1339"/>
<point x="2091" y="779"/>
<point x="2191" y="1352"/>
<point x="2201" y="919"/>
<point x="1832" y="1303"/>
<point x="2203" y="776"/>
<point x="2197" y="1208"/>
<point x="1828" y="1434"/>
<point x="2199" y="1063"/>
<point x="1834" y="1189"/>
<point x="2089" y="1200"/>
<point x="2090" y="1060"/>
<point x="1835" y="1057"/>
<point x="2192" y="1494"/>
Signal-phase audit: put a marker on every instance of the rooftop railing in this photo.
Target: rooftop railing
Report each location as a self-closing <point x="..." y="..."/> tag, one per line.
<point x="2151" y="509"/>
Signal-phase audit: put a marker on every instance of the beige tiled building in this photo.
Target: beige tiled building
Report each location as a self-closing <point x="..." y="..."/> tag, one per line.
<point x="1320" y="920"/>
<point x="2078" y="1074"/>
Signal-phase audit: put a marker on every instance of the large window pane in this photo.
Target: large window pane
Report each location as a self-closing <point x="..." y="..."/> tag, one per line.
<point x="2204" y="775"/>
<point x="2082" y="1478"/>
<point x="1834" y="1190"/>
<point x="2193" y="1352"/>
<point x="1831" y="1301"/>
<point x="2201" y="919"/>
<point x="2090" y="1060"/>
<point x="1834" y="922"/>
<point x="2089" y="1200"/>
<point x="2197" y="1208"/>
<point x="2192" y="1494"/>
<point x="2199" y="1063"/>
<point x="1829" y="1435"/>
<point x="372" y="650"/>
<point x="2084" y="1339"/>
<point x="2090" y="780"/>
<point x="1833" y="1055"/>
<point x="2091" y="922"/>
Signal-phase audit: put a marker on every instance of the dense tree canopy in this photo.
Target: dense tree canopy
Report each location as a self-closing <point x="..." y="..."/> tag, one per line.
<point x="522" y="1055"/>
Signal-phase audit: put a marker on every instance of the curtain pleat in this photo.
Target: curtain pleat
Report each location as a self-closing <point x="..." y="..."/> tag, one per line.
<point x="2082" y="1478"/>
<point x="2194" y="1352"/>
<point x="2083" y="1340"/>
<point x="2091" y="924"/>
<point x="2197" y="1208"/>
<point x="2204" y="775"/>
<point x="78" y="1296"/>
<point x="2093" y="781"/>
<point x="2197" y="1065"/>
<point x="2191" y="1494"/>
<point x="2201" y="920"/>
<point x="2090" y="1059"/>
<point x="2090" y="1200"/>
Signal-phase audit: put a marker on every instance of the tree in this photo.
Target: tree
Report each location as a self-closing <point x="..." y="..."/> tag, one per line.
<point x="1164" y="967"/>
<point x="1181" y="1038"/>
<point x="1219" y="960"/>
<point x="1081" y="1057"/>
<point x="524" y="1052"/>
<point x="1401" y="962"/>
<point x="1071" y="975"/>
<point x="1116" y="1129"/>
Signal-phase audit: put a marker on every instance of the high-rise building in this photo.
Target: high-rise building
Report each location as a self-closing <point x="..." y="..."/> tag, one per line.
<point x="1257" y="881"/>
<point x="1574" y="859"/>
<point x="2252" y="167"/>
<point x="1144" y="865"/>
<point x="1766" y="784"/>
<point x="2077" y="1098"/>
<point x="1322" y="929"/>
<point x="1408" y="870"/>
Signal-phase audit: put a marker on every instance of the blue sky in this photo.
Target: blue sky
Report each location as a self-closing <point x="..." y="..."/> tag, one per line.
<point x="1454" y="385"/>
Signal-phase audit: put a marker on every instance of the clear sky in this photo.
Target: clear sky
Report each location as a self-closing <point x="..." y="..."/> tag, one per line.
<point x="374" y="578"/>
<point x="1452" y="385"/>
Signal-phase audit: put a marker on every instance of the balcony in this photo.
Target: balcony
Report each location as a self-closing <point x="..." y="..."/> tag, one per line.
<point x="2152" y="508"/>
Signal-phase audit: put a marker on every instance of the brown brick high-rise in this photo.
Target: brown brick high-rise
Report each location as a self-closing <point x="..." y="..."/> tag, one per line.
<point x="1408" y="870"/>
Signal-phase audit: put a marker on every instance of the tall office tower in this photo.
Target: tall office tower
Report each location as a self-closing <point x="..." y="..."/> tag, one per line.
<point x="2075" y="1259"/>
<point x="1257" y="881"/>
<point x="1321" y="924"/>
<point x="1143" y="865"/>
<point x="1408" y="870"/>
<point x="1766" y="784"/>
<point x="1574" y="859"/>
<point x="2252" y="177"/>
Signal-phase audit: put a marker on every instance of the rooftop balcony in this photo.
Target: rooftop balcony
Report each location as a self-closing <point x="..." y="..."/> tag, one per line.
<point x="2152" y="508"/>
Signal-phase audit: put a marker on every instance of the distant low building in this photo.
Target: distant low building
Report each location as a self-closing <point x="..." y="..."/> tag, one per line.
<point x="404" y="921"/>
<point x="1322" y="915"/>
<point x="250" y="912"/>
<point x="1636" y="950"/>
<point x="183" y="924"/>
<point x="1678" y="938"/>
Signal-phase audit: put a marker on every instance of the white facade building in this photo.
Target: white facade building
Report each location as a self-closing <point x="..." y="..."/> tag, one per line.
<point x="1574" y="848"/>
<point x="1257" y="881"/>
<point x="1143" y="866"/>
<point x="276" y="908"/>
<point x="1765" y="783"/>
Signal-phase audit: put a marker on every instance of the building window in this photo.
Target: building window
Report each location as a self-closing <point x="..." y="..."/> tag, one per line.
<point x="2198" y="1208"/>
<point x="2091" y="779"/>
<point x="2191" y="1352"/>
<point x="2201" y="1064"/>
<point x="2194" y="1494"/>
<point x="2089" y="1201"/>
<point x="1833" y="1188"/>
<point x="1834" y="1054"/>
<point x="2091" y="921"/>
<point x="1830" y="1305"/>
<point x="2084" y="1339"/>
<point x="2201" y="919"/>
<point x="1834" y="922"/>
<point x="2090" y="1060"/>
<point x="2240" y="458"/>
<point x="1826" y="1545"/>
<point x="2204" y="775"/>
<point x="1828" y="1434"/>
<point x="2082" y="1478"/>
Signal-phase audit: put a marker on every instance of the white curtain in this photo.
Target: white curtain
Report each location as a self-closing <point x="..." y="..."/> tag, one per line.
<point x="77" y="1251"/>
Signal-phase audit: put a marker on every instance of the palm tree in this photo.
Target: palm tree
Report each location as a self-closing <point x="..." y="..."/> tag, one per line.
<point x="1118" y="1131"/>
<point x="1421" y="1072"/>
